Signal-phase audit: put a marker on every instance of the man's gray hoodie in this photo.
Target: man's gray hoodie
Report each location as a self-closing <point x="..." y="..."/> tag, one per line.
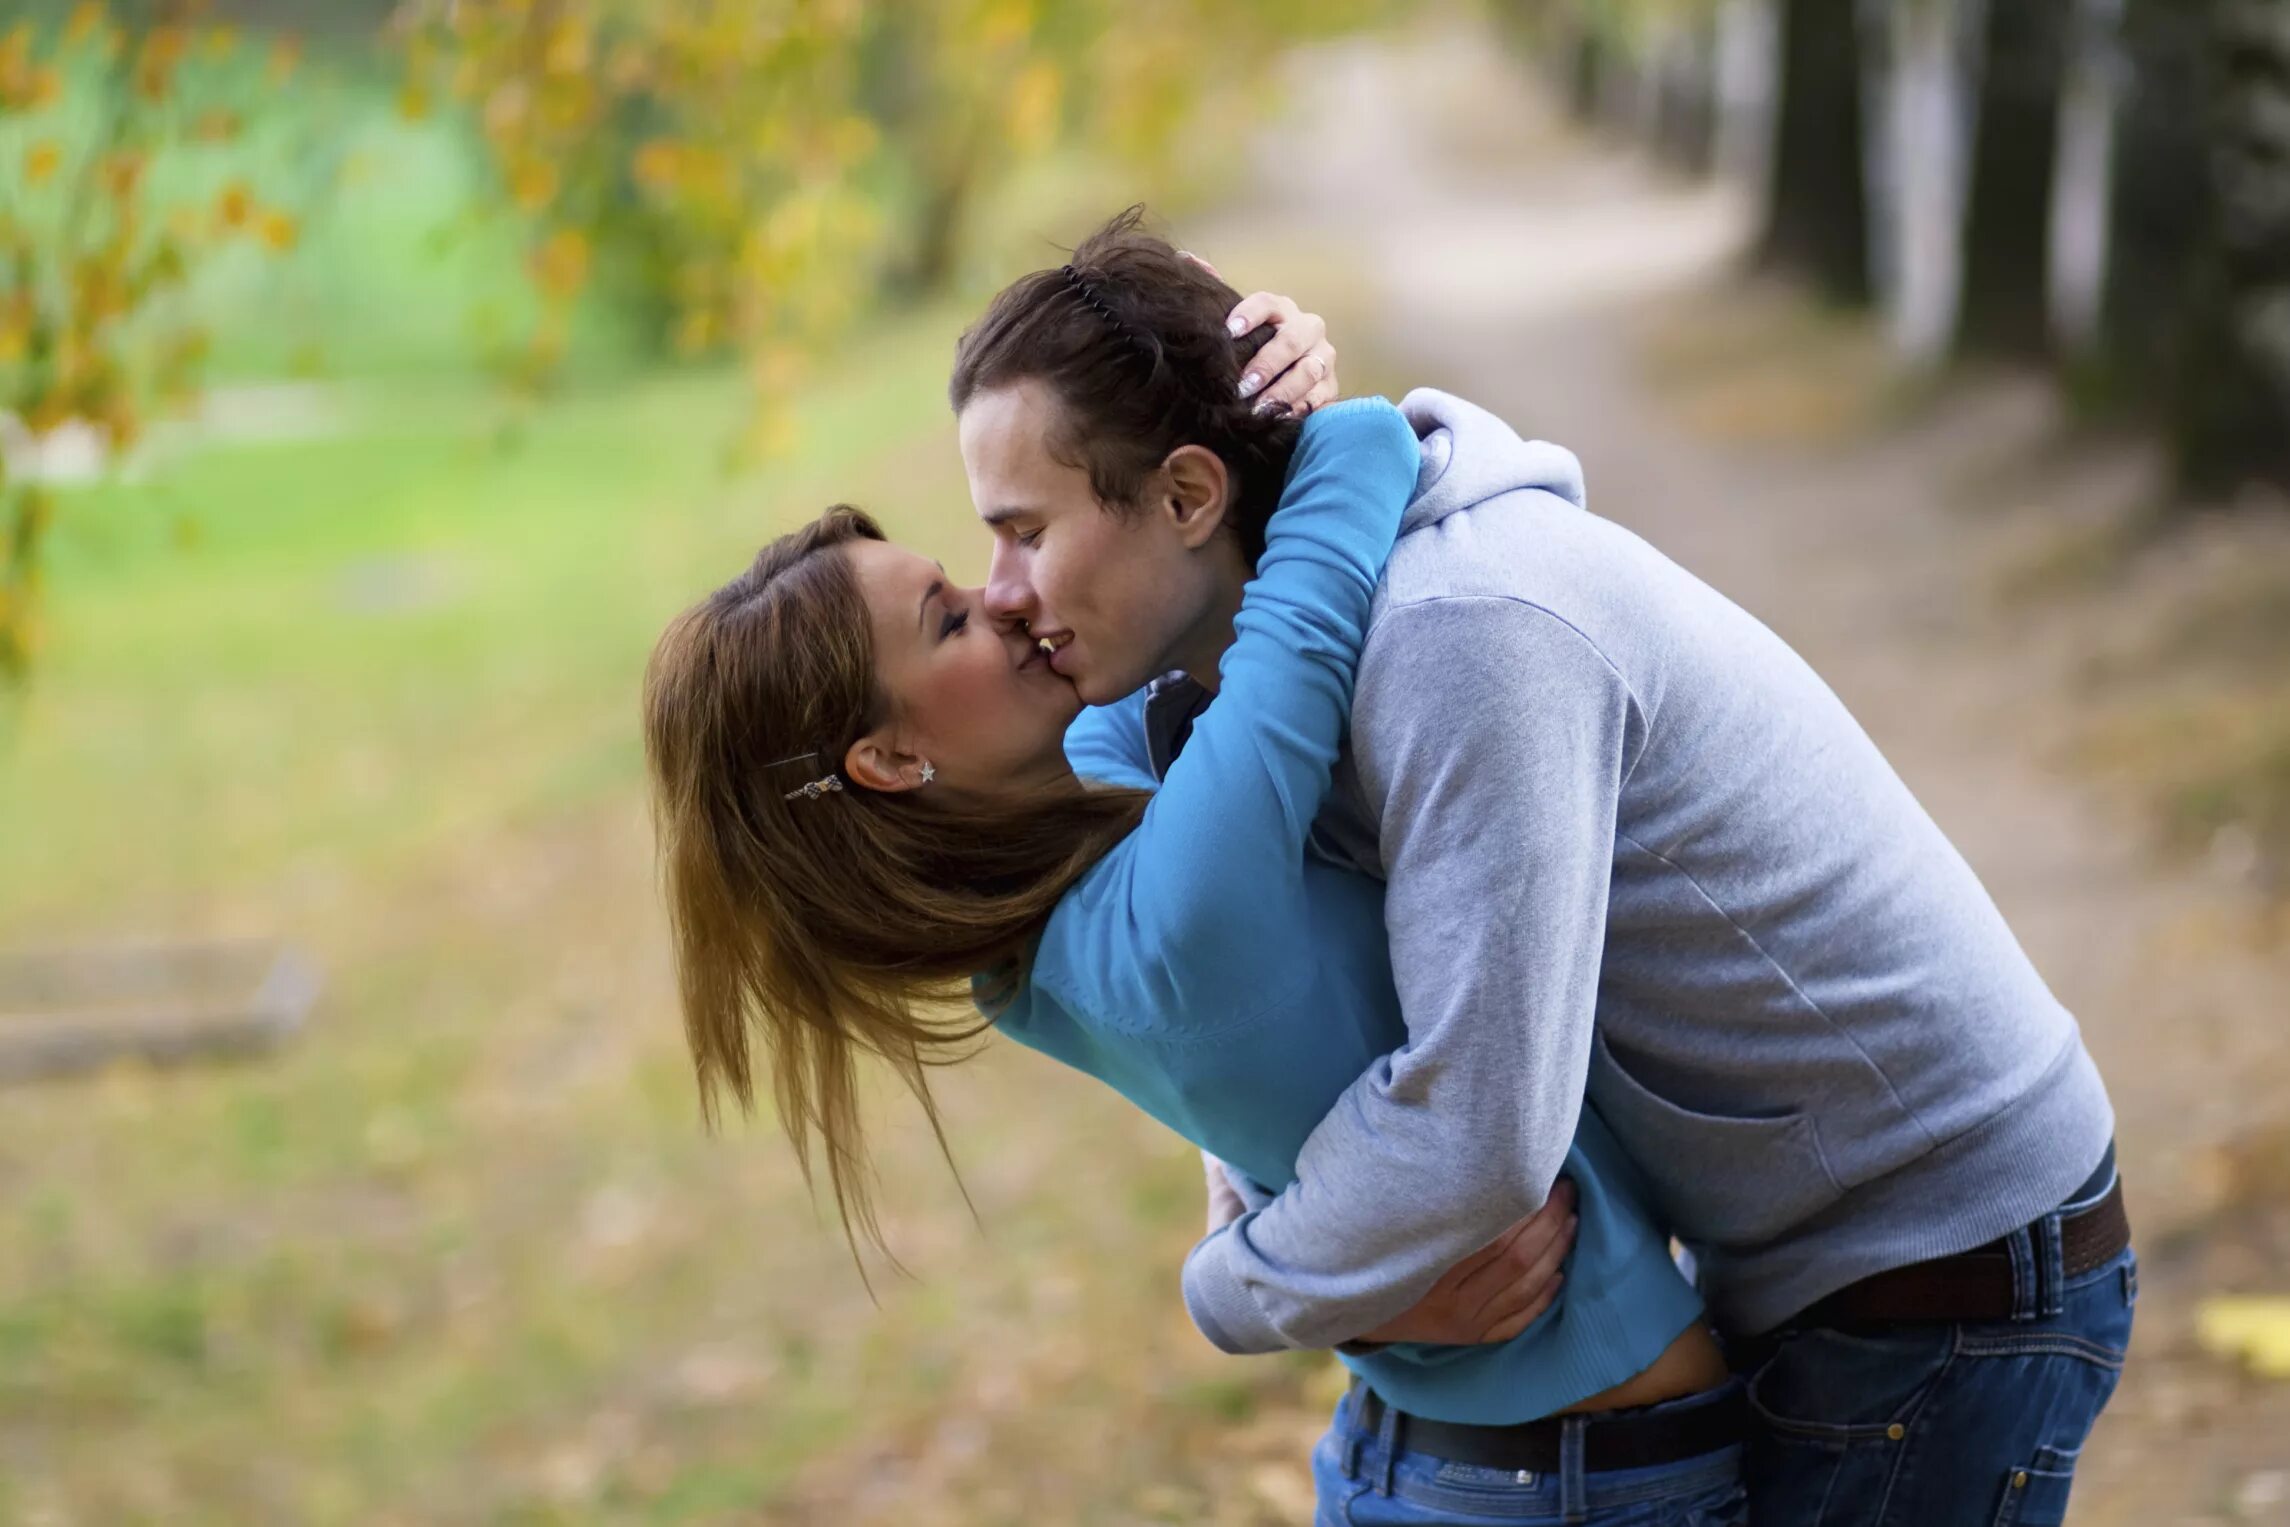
<point x="1636" y="849"/>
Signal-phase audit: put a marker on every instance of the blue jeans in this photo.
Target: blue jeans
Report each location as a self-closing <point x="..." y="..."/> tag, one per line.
<point x="1935" y="1425"/>
<point x="1365" y="1480"/>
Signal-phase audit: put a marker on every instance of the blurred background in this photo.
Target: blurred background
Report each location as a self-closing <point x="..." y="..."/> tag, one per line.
<point x="376" y="379"/>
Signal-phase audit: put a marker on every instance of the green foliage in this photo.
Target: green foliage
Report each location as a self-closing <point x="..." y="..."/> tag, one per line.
<point x="749" y="176"/>
<point x="104" y="214"/>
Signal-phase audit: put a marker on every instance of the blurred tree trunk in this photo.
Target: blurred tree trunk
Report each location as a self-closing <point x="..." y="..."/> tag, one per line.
<point x="2198" y="306"/>
<point x="1587" y="57"/>
<point x="1814" y="225"/>
<point x="2243" y="429"/>
<point x="1922" y="66"/>
<point x="2007" y="229"/>
<point x="2162" y="199"/>
<point x="1748" y="98"/>
<point x="2083" y="177"/>
<point x="1681" y="72"/>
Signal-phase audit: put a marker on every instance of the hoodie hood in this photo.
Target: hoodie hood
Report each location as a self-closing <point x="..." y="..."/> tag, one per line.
<point x="1470" y="456"/>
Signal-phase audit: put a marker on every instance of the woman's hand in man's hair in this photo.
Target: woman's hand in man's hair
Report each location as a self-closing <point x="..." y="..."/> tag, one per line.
<point x="1295" y="372"/>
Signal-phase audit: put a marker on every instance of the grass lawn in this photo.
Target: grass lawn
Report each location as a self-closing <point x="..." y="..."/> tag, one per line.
<point x="460" y="1253"/>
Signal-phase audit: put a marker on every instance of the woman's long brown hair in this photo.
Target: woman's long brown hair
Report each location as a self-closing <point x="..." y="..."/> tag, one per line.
<point x="844" y="924"/>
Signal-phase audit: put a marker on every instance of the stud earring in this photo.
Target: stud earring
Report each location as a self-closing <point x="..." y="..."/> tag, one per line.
<point x="928" y="773"/>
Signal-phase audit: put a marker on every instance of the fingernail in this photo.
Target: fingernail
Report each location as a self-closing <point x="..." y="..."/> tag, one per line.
<point x="1185" y="254"/>
<point x="1236" y="326"/>
<point x="1249" y="383"/>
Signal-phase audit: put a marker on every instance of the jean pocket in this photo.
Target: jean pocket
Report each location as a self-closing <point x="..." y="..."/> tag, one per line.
<point x="1836" y="1387"/>
<point x="2036" y="1496"/>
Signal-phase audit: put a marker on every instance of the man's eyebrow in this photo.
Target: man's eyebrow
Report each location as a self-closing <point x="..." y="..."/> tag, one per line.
<point x="937" y="587"/>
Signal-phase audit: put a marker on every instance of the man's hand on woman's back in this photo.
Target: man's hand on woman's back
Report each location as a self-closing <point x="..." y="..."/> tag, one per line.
<point x="1498" y="1291"/>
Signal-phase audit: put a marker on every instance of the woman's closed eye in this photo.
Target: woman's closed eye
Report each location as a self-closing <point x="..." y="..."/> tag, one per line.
<point x="955" y="620"/>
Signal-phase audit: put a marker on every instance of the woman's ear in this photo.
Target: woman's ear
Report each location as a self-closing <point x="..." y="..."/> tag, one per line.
<point x="875" y="763"/>
<point x="1197" y="493"/>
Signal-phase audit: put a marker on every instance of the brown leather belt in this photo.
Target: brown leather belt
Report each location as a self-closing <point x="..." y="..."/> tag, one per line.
<point x="1976" y="1284"/>
<point x="1621" y="1439"/>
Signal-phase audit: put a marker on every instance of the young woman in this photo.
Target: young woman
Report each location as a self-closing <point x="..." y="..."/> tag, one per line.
<point x="864" y="806"/>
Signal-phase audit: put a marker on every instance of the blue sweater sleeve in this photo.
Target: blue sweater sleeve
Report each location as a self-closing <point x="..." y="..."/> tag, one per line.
<point x="1214" y="875"/>
<point x="1106" y="744"/>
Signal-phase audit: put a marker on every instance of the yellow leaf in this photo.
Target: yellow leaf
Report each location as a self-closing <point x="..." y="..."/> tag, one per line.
<point x="1033" y="105"/>
<point x="568" y="49"/>
<point x="221" y="42"/>
<point x="86" y="17"/>
<point x="40" y="161"/>
<point x="279" y="232"/>
<point x="695" y="332"/>
<point x="2252" y="1329"/>
<point x="560" y="265"/>
<point x="122" y="173"/>
<point x="657" y="164"/>
<point x="413" y="103"/>
<point x="236" y="205"/>
<point x="533" y="184"/>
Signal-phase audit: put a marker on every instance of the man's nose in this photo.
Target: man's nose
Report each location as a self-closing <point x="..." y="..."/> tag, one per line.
<point x="1009" y="595"/>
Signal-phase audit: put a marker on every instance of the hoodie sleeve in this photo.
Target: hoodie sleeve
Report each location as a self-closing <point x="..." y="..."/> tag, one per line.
<point x="1498" y="809"/>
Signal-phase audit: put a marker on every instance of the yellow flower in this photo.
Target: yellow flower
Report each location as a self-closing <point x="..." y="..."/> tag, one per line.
<point x="41" y="160"/>
<point x="278" y="232"/>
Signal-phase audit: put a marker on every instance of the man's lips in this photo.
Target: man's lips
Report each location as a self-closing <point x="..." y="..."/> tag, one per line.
<point x="1053" y="646"/>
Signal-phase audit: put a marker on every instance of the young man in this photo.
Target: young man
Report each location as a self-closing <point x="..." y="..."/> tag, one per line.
<point x="1636" y="849"/>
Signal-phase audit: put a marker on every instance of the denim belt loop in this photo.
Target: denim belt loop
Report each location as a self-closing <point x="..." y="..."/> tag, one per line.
<point x="1348" y="1418"/>
<point x="1573" y="1493"/>
<point x="2038" y="1272"/>
<point x="1387" y="1440"/>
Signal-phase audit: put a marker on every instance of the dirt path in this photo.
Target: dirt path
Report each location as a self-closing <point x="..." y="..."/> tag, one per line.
<point x="1586" y="299"/>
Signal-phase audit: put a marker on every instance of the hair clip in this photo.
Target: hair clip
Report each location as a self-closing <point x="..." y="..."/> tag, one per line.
<point x="1086" y="292"/>
<point x="830" y="785"/>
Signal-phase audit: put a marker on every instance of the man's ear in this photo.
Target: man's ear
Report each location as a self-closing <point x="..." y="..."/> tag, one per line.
<point x="1195" y="494"/>
<point x="875" y="763"/>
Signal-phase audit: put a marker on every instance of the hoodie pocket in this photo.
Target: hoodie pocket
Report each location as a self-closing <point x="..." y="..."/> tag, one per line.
<point x="1723" y="1180"/>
